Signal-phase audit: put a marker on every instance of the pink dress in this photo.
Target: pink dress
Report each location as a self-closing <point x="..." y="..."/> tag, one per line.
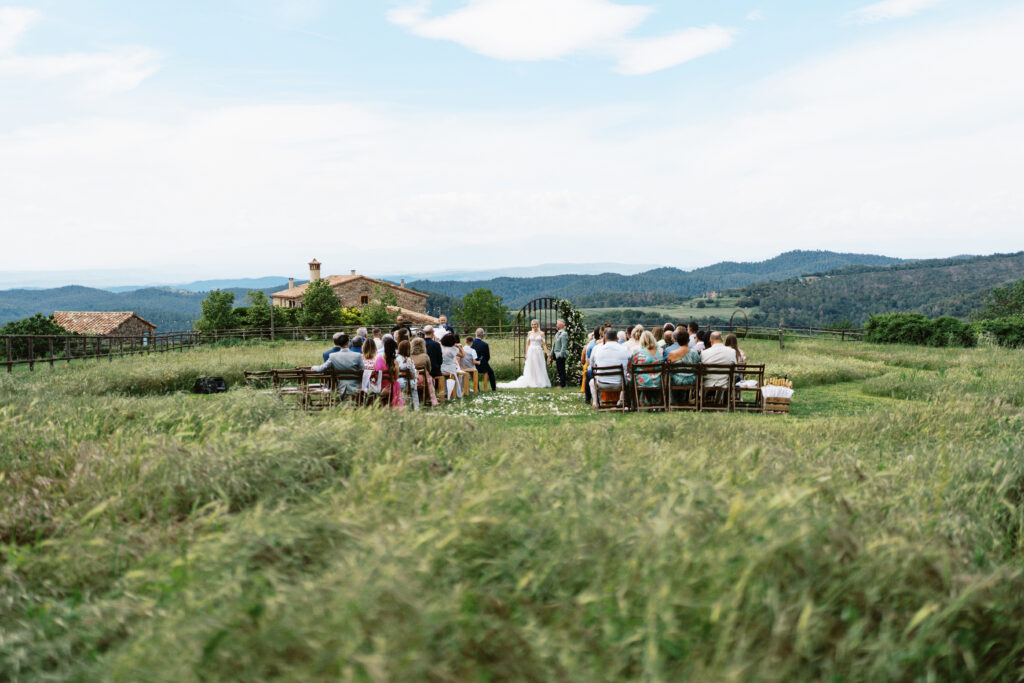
<point x="387" y="385"/>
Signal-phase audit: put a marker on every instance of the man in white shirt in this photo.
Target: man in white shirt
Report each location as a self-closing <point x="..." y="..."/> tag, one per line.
<point x="606" y="355"/>
<point x="442" y="328"/>
<point x="717" y="354"/>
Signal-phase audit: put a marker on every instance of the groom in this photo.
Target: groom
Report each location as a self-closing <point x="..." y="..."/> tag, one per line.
<point x="560" y="351"/>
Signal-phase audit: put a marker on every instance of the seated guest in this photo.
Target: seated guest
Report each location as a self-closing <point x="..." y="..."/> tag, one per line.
<point x="343" y="359"/>
<point x="656" y="333"/>
<point x="717" y="354"/>
<point x="634" y="338"/>
<point x="422" y="363"/>
<point x="693" y="328"/>
<point x="645" y="355"/>
<point x="620" y="337"/>
<point x="596" y="337"/>
<point x="702" y="341"/>
<point x="387" y="363"/>
<point x="369" y="356"/>
<point x="402" y="334"/>
<point x="451" y="355"/>
<point x="733" y="343"/>
<point x="337" y="336"/>
<point x="433" y="351"/>
<point x="378" y="340"/>
<point x="406" y="363"/>
<point x="666" y="335"/>
<point x="606" y="355"/>
<point x="469" y="361"/>
<point x="357" y="341"/>
<point x="680" y="352"/>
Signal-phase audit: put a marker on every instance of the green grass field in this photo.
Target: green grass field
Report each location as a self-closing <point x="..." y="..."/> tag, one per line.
<point x="875" y="534"/>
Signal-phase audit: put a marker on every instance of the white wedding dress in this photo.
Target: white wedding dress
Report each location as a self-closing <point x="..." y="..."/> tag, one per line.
<point x="535" y="371"/>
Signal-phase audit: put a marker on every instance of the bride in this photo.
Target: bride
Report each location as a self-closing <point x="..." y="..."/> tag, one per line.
<point x="535" y="371"/>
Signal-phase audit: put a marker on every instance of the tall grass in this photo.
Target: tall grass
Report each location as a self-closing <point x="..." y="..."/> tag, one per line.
<point x="149" y="534"/>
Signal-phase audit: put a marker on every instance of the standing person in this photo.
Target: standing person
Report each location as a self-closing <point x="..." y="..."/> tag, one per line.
<point x="560" y="351"/>
<point x="399" y="324"/>
<point x="433" y="351"/>
<point x="535" y="371"/>
<point x="483" y="355"/>
<point x="387" y="363"/>
<point x="442" y="327"/>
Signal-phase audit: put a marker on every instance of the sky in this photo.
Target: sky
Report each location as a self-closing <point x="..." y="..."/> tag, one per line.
<point x="245" y="137"/>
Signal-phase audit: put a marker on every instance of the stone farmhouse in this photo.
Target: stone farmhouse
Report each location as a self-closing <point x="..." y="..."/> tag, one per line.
<point x="122" y="324"/>
<point x="355" y="291"/>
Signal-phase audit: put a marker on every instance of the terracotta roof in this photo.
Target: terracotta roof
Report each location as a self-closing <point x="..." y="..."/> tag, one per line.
<point x="335" y="280"/>
<point x="94" y="322"/>
<point x="414" y="317"/>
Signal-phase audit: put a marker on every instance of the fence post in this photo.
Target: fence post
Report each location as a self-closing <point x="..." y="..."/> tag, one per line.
<point x="67" y="350"/>
<point x="10" y="361"/>
<point x="31" y="354"/>
<point x="50" y="340"/>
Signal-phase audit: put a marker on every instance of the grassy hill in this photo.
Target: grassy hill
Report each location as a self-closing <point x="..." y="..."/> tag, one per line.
<point x="728" y="274"/>
<point x="954" y="287"/>
<point x="151" y="534"/>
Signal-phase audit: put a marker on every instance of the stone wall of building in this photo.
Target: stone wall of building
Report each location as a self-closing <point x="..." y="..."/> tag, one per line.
<point x="133" y="327"/>
<point x="350" y="293"/>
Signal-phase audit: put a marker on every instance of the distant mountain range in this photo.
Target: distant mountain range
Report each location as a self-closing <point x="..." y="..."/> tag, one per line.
<point x="726" y="275"/>
<point x="801" y="287"/>
<point x="528" y="271"/>
<point x="243" y="283"/>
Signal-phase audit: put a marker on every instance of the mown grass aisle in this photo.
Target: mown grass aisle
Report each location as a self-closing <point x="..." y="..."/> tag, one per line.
<point x="875" y="534"/>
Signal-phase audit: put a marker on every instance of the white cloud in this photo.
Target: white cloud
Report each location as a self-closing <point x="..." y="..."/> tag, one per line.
<point x="535" y="30"/>
<point x="14" y="21"/>
<point x="754" y="15"/>
<point x="114" y="70"/>
<point x="911" y="145"/>
<point x="889" y="9"/>
<point x="648" y="55"/>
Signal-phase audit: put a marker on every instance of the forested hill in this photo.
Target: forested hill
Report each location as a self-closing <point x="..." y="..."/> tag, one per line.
<point x="725" y="275"/>
<point x="955" y="286"/>
<point x="168" y="309"/>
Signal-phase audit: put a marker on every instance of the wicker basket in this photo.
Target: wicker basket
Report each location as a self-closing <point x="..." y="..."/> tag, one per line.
<point x="776" y="406"/>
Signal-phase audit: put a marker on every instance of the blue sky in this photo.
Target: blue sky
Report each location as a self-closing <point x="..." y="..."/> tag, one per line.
<point x="244" y="138"/>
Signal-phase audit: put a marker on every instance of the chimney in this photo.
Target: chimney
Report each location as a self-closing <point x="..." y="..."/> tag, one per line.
<point x="291" y="283"/>
<point x="402" y="281"/>
<point x="314" y="270"/>
<point x="353" y="271"/>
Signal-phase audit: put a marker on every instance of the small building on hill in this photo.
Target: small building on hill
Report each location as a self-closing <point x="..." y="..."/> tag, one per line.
<point x="120" y="324"/>
<point x="355" y="291"/>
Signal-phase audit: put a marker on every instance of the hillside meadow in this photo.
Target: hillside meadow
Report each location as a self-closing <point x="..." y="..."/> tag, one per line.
<point x="875" y="534"/>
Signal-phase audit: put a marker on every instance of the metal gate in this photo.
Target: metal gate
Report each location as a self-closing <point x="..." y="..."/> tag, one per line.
<point x="543" y="311"/>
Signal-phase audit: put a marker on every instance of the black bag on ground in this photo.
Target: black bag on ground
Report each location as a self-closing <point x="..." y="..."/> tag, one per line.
<point x="209" y="385"/>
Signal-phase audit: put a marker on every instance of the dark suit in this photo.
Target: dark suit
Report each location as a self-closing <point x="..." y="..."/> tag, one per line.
<point x="330" y="351"/>
<point x="434" y="354"/>
<point x="483" y="354"/>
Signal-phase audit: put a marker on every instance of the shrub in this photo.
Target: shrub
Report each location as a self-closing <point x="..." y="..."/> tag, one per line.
<point x="1008" y="331"/>
<point x="915" y="328"/>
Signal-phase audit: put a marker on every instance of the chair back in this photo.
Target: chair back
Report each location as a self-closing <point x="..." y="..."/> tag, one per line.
<point x="611" y="395"/>
<point x="652" y="396"/>
<point x="716" y="386"/>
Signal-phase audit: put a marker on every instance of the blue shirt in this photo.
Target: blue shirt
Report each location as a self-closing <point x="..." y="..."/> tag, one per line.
<point x="330" y="351"/>
<point x="590" y="347"/>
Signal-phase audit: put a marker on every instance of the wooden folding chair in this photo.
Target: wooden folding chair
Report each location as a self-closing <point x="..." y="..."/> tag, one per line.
<point x="408" y="392"/>
<point x="370" y="388"/>
<point x="343" y="392"/>
<point x="713" y="396"/>
<point x="652" y="397"/>
<point x="289" y="385"/>
<point x="756" y="403"/>
<point x="318" y="389"/>
<point x="683" y="396"/>
<point x="260" y="380"/>
<point x="612" y="396"/>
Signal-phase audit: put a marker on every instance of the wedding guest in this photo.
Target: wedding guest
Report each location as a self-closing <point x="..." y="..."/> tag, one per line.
<point x="469" y="361"/>
<point x="387" y="363"/>
<point x="378" y="340"/>
<point x="645" y="355"/>
<point x="694" y="328"/>
<point x="451" y="356"/>
<point x="666" y="335"/>
<point x="608" y="354"/>
<point x="406" y="363"/>
<point x="717" y="354"/>
<point x="369" y="356"/>
<point x="402" y="334"/>
<point x="399" y="324"/>
<point x="733" y="343"/>
<point x="620" y="337"/>
<point x="357" y="341"/>
<point x="422" y="363"/>
<point x="702" y="341"/>
<point x="681" y="353"/>
<point x="634" y="338"/>
<point x="433" y="351"/>
<point x="337" y="347"/>
<point x="442" y="327"/>
<point x="588" y="374"/>
<point x="656" y="333"/>
<point x="483" y="355"/>
<point x="343" y="359"/>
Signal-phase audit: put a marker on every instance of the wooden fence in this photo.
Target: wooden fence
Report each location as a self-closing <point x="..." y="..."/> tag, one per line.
<point x="31" y="350"/>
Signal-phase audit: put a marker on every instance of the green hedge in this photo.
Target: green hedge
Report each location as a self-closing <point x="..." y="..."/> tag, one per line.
<point x="915" y="328"/>
<point x="1008" y="331"/>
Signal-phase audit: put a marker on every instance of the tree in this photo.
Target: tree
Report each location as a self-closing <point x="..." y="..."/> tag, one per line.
<point x="376" y="312"/>
<point x="217" y="311"/>
<point x="36" y="324"/>
<point x="258" y="312"/>
<point x="1004" y="301"/>
<point x="482" y="308"/>
<point x="320" y="305"/>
